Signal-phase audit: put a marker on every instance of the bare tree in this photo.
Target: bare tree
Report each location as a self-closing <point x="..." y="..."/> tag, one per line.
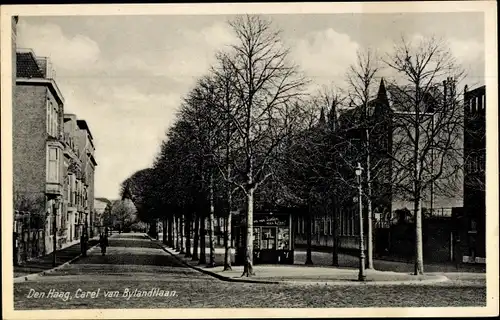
<point x="266" y="86"/>
<point x="428" y="120"/>
<point x="361" y="78"/>
<point x="228" y="107"/>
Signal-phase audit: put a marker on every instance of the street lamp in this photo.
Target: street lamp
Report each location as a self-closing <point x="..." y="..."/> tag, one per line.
<point x="55" y="208"/>
<point x="361" y="275"/>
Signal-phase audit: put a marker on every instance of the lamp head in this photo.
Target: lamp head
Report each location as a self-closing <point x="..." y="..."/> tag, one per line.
<point x="359" y="169"/>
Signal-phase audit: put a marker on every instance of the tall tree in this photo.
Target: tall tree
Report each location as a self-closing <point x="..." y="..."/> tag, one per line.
<point x="266" y="85"/>
<point x="428" y="124"/>
<point x="361" y="78"/>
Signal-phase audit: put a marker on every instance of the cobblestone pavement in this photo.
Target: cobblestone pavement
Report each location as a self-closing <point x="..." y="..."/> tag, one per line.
<point x="135" y="263"/>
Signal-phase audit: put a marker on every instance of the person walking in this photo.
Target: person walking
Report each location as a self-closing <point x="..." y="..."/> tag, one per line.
<point x="103" y="243"/>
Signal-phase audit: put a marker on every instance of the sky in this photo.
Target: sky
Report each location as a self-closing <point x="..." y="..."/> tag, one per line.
<point x="126" y="75"/>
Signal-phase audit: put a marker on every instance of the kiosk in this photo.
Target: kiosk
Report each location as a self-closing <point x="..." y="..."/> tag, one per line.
<point x="272" y="238"/>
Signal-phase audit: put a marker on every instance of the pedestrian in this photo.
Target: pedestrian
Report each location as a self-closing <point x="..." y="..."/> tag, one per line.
<point x="103" y="242"/>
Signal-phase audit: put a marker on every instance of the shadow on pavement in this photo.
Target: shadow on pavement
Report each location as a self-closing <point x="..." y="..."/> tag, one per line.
<point x="131" y="249"/>
<point x="45" y="262"/>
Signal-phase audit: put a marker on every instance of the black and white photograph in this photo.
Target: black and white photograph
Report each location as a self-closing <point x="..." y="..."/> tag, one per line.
<point x="296" y="158"/>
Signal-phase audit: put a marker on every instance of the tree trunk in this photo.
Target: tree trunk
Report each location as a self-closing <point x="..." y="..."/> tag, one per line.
<point x="248" y="266"/>
<point x="369" y="203"/>
<point x="203" y="255"/>
<point x="181" y="233"/>
<point x="211" y="262"/>
<point x="335" y="253"/>
<point x="164" y="230"/>
<point x="196" y="238"/>
<point x="309" y="236"/>
<point x="419" y="252"/>
<point x="170" y="231"/>
<point x="188" y="235"/>
<point x="176" y="229"/>
<point x="227" y="233"/>
<point x="419" y="256"/>
<point x="152" y="229"/>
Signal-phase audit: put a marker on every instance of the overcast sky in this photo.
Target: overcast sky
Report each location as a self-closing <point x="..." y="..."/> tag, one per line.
<point x="126" y="75"/>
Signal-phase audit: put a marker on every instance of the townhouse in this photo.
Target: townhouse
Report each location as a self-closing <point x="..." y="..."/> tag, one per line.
<point x="53" y="165"/>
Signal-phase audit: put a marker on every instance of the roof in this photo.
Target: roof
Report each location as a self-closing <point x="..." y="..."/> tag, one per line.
<point x="401" y="98"/>
<point x="82" y="124"/>
<point x="27" y="66"/>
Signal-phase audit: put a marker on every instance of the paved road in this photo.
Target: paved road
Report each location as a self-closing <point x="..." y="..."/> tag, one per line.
<point x="134" y="262"/>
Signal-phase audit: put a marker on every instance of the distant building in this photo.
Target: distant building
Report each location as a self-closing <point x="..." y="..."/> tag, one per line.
<point x="473" y="224"/>
<point x="99" y="208"/>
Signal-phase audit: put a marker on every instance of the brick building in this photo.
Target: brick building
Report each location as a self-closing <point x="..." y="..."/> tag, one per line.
<point x="386" y="118"/>
<point x="73" y="184"/>
<point x="473" y="223"/>
<point x="86" y="150"/>
<point x="53" y="156"/>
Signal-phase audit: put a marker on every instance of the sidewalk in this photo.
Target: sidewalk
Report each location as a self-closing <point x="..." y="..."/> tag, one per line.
<point x="44" y="263"/>
<point x="324" y="259"/>
<point x="302" y="274"/>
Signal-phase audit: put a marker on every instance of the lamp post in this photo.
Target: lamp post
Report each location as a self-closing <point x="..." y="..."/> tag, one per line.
<point x="55" y="208"/>
<point x="361" y="275"/>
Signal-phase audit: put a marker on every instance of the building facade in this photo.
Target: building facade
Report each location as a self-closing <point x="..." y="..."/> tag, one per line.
<point x="53" y="160"/>
<point x="37" y="138"/>
<point x="473" y="223"/>
<point x="74" y="193"/>
<point x="86" y="150"/>
<point x="388" y="123"/>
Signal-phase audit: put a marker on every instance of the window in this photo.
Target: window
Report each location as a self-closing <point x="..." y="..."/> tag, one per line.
<point x="52" y="119"/>
<point x="303" y="225"/>
<point x="53" y="165"/>
<point x="325" y="227"/>
<point x="330" y="227"/>
<point x="49" y="117"/>
<point x="55" y="118"/>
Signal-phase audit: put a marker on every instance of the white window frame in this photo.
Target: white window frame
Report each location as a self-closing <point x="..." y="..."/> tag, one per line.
<point x="56" y="121"/>
<point x="49" y="116"/>
<point x="53" y="176"/>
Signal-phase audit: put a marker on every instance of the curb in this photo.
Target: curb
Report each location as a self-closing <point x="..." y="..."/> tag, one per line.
<point x="39" y="274"/>
<point x="436" y="279"/>
<point x="213" y="274"/>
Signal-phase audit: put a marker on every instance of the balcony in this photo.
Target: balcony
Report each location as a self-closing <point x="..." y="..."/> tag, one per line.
<point x="53" y="188"/>
<point x="70" y="145"/>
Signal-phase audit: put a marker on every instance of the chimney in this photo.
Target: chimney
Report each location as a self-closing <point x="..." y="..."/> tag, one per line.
<point x="46" y="67"/>
<point x="42" y="64"/>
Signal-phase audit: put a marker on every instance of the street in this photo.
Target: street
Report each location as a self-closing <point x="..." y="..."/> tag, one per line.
<point x="137" y="273"/>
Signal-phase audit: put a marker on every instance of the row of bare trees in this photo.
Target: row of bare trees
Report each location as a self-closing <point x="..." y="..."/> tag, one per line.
<point x="251" y="133"/>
